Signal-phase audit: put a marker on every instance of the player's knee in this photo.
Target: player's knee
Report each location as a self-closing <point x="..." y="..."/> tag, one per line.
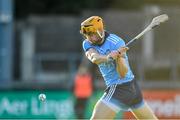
<point x="107" y="115"/>
<point x="94" y="117"/>
<point x="144" y="113"/>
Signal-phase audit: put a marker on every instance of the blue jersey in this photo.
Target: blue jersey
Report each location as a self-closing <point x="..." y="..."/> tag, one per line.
<point x="108" y="69"/>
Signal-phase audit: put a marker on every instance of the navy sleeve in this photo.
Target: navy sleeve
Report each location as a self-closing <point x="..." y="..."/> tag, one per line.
<point x="86" y="45"/>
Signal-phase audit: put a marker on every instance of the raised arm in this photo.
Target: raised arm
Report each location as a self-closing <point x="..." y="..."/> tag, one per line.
<point x="117" y="55"/>
<point x="95" y="57"/>
<point x="121" y="65"/>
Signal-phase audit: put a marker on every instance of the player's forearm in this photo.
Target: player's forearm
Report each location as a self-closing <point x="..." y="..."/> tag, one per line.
<point x="122" y="68"/>
<point x="97" y="58"/>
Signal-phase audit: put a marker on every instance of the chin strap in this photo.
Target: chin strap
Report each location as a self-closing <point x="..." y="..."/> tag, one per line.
<point x="102" y="36"/>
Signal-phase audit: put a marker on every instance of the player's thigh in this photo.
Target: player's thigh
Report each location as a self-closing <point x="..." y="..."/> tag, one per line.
<point x="102" y="111"/>
<point x="144" y="112"/>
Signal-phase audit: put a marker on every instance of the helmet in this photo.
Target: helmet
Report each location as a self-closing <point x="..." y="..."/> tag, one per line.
<point x="93" y="24"/>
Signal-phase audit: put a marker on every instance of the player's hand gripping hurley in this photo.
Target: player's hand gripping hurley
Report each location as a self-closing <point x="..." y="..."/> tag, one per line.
<point x="155" y="22"/>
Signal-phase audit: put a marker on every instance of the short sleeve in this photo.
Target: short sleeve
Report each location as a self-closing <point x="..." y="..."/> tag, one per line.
<point x="120" y="43"/>
<point x="86" y="45"/>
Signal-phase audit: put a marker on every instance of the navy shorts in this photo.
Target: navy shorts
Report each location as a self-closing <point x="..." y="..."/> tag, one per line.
<point x="124" y="96"/>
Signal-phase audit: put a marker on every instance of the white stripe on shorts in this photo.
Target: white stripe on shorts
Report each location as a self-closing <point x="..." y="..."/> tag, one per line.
<point x="110" y="93"/>
<point x="113" y="92"/>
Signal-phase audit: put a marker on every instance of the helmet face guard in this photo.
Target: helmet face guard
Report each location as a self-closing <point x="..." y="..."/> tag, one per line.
<point x="87" y="30"/>
<point x="92" y="25"/>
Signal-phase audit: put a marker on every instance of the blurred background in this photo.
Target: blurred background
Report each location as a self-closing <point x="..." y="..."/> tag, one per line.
<point x="41" y="52"/>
